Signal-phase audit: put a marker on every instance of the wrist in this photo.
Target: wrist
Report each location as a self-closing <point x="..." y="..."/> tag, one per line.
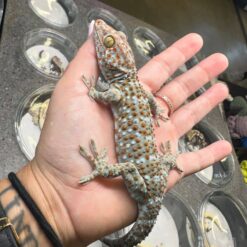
<point x="48" y="202"/>
<point x="41" y="197"/>
<point x="47" y="199"/>
<point x="30" y="235"/>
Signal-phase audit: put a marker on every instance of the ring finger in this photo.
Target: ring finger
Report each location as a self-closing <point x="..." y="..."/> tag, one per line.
<point x="190" y="114"/>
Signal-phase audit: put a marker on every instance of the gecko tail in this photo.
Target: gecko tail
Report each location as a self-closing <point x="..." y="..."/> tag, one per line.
<point x="148" y="213"/>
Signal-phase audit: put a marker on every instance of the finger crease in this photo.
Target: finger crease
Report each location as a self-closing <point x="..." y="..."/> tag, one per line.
<point x="211" y="158"/>
<point x="180" y="52"/>
<point x="163" y="64"/>
<point x="182" y="87"/>
<point x="190" y="114"/>
<point x="204" y="71"/>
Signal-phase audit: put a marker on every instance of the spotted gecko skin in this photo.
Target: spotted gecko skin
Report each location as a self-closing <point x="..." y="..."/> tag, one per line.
<point x="142" y="167"/>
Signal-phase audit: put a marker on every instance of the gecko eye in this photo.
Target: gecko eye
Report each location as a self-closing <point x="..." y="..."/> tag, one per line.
<point x="109" y="41"/>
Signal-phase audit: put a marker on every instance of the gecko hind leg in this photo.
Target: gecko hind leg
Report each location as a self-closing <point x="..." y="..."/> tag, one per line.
<point x="101" y="166"/>
<point x="168" y="159"/>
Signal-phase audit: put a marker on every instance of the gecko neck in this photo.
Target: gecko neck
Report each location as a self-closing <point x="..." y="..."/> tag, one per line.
<point x="131" y="75"/>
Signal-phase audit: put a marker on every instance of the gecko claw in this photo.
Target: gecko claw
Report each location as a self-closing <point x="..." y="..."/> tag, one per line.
<point x="163" y="118"/>
<point x="89" y="83"/>
<point x="83" y="180"/>
<point x="179" y="170"/>
<point x="85" y="155"/>
<point x="93" y="148"/>
<point x="83" y="152"/>
<point x="86" y="82"/>
<point x="160" y="117"/>
<point x="165" y="148"/>
<point x="88" y="178"/>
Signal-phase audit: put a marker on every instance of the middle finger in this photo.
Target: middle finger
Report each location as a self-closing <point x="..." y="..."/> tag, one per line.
<point x="182" y="87"/>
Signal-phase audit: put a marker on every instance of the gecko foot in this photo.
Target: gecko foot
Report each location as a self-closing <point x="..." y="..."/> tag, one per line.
<point x="158" y="115"/>
<point x="157" y="111"/>
<point x="169" y="159"/>
<point x="97" y="160"/>
<point x="90" y="84"/>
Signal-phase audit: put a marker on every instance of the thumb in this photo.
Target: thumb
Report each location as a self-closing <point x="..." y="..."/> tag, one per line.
<point x="84" y="63"/>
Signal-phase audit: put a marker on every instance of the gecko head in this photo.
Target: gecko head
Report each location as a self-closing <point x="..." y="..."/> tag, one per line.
<point x="115" y="57"/>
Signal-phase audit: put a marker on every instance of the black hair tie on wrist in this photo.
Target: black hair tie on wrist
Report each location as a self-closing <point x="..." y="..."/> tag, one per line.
<point x="44" y="225"/>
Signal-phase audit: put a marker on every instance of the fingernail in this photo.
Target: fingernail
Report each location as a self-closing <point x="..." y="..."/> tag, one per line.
<point x="90" y="27"/>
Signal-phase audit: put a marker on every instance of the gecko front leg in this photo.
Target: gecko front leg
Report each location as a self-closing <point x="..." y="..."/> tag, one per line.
<point x="156" y="110"/>
<point x="96" y="92"/>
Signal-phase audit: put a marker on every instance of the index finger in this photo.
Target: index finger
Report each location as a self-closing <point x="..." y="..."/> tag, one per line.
<point x="162" y="66"/>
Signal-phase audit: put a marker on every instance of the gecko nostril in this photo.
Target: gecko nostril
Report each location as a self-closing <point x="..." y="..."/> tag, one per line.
<point x="98" y="21"/>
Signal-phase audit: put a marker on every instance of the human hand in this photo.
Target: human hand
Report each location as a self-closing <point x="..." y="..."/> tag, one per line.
<point x="83" y="213"/>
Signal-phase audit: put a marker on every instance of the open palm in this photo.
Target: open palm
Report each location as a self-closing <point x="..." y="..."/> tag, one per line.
<point x="73" y="119"/>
